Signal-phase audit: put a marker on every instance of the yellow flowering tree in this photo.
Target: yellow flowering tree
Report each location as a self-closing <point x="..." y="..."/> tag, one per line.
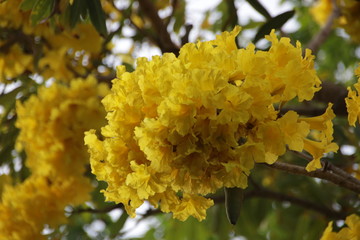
<point x="191" y="120"/>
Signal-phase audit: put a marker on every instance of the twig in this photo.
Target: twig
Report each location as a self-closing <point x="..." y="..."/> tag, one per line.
<point x="93" y="210"/>
<point x="166" y="44"/>
<point x="329" y="167"/>
<point x="265" y="193"/>
<point x="326" y="175"/>
<point x="281" y="197"/>
<point x="325" y="31"/>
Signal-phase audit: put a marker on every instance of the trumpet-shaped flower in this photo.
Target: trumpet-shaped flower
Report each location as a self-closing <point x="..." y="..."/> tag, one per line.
<point x="180" y="128"/>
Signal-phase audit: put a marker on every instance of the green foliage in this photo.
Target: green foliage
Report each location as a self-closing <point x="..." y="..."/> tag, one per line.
<point x="273" y="23"/>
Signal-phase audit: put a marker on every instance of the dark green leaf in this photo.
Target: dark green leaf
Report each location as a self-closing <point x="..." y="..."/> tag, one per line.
<point x="7" y="100"/>
<point x="260" y="8"/>
<point x="97" y="16"/>
<point x="75" y="11"/>
<point x="118" y="225"/>
<point x="233" y="202"/>
<point x="41" y="10"/>
<point x="274" y="23"/>
<point x="27" y="5"/>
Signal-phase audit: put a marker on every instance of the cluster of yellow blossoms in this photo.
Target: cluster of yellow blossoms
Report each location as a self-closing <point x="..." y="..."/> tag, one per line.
<point x="66" y="54"/>
<point x="350" y="232"/>
<point x="52" y="128"/>
<point x="349" y="19"/>
<point x="180" y="128"/>
<point x="353" y="101"/>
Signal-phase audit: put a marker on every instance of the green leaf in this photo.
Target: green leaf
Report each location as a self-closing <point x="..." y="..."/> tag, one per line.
<point x="233" y="202"/>
<point x="274" y="23"/>
<point x="260" y="8"/>
<point x="7" y="100"/>
<point x="27" y="5"/>
<point x="118" y="225"/>
<point x="41" y="10"/>
<point x="75" y="12"/>
<point x="97" y="16"/>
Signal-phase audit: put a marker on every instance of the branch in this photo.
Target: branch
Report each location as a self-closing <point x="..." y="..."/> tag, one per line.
<point x="265" y="193"/>
<point x="165" y="43"/>
<point x="327" y="166"/>
<point x="261" y="192"/>
<point x="322" y="174"/>
<point x="93" y="210"/>
<point x="325" y="31"/>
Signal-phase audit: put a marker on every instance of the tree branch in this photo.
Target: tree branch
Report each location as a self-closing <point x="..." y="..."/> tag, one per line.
<point x="325" y="31"/>
<point x="265" y="193"/>
<point x="93" y="210"/>
<point x="322" y="174"/>
<point x="165" y="42"/>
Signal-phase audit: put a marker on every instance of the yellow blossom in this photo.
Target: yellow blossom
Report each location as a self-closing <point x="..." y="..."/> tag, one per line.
<point x="52" y="126"/>
<point x="353" y="101"/>
<point x="350" y="232"/>
<point x="323" y="142"/>
<point x="321" y="11"/>
<point x="349" y="18"/>
<point x="180" y="128"/>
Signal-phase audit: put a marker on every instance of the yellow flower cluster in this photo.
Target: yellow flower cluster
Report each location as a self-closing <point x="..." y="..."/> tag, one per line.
<point x="321" y="11"/>
<point x="350" y="232"/>
<point x="182" y="127"/>
<point x="52" y="128"/>
<point x="353" y="101"/>
<point x="66" y="52"/>
<point x="349" y="19"/>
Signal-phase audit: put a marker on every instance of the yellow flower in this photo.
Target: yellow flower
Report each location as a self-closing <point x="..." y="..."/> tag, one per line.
<point x="349" y="19"/>
<point x="52" y="126"/>
<point x="329" y="234"/>
<point x="53" y="123"/>
<point x="353" y="101"/>
<point x="180" y="128"/>
<point x="26" y="207"/>
<point x="350" y="232"/>
<point x="322" y="143"/>
<point x="321" y="11"/>
<point x="14" y="63"/>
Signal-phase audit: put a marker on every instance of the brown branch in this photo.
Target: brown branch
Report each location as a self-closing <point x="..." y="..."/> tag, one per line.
<point x="325" y="175"/>
<point x="325" y="31"/>
<point x="165" y="42"/>
<point x="261" y="192"/>
<point x="265" y="193"/>
<point x="93" y="210"/>
<point x="329" y="167"/>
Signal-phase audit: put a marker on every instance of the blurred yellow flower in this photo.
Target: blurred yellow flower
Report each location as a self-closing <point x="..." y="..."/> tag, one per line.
<point x="349" y="18"/>
<point x="353" y="101"/>
<point x="52" y="126"/>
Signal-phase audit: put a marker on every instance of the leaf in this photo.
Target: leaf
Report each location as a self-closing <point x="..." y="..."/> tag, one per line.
<point x="27" y="5"/>
<point x="75" y="12"/>
<point x="7" y="100"/>
<point x="118" y="225"/>
<point x="41" y="10"/>
<point x="233" y="202"/>
<point x="274" y="23"/>
<point x="97" y="16"/>
<point x="260" y="8"/>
